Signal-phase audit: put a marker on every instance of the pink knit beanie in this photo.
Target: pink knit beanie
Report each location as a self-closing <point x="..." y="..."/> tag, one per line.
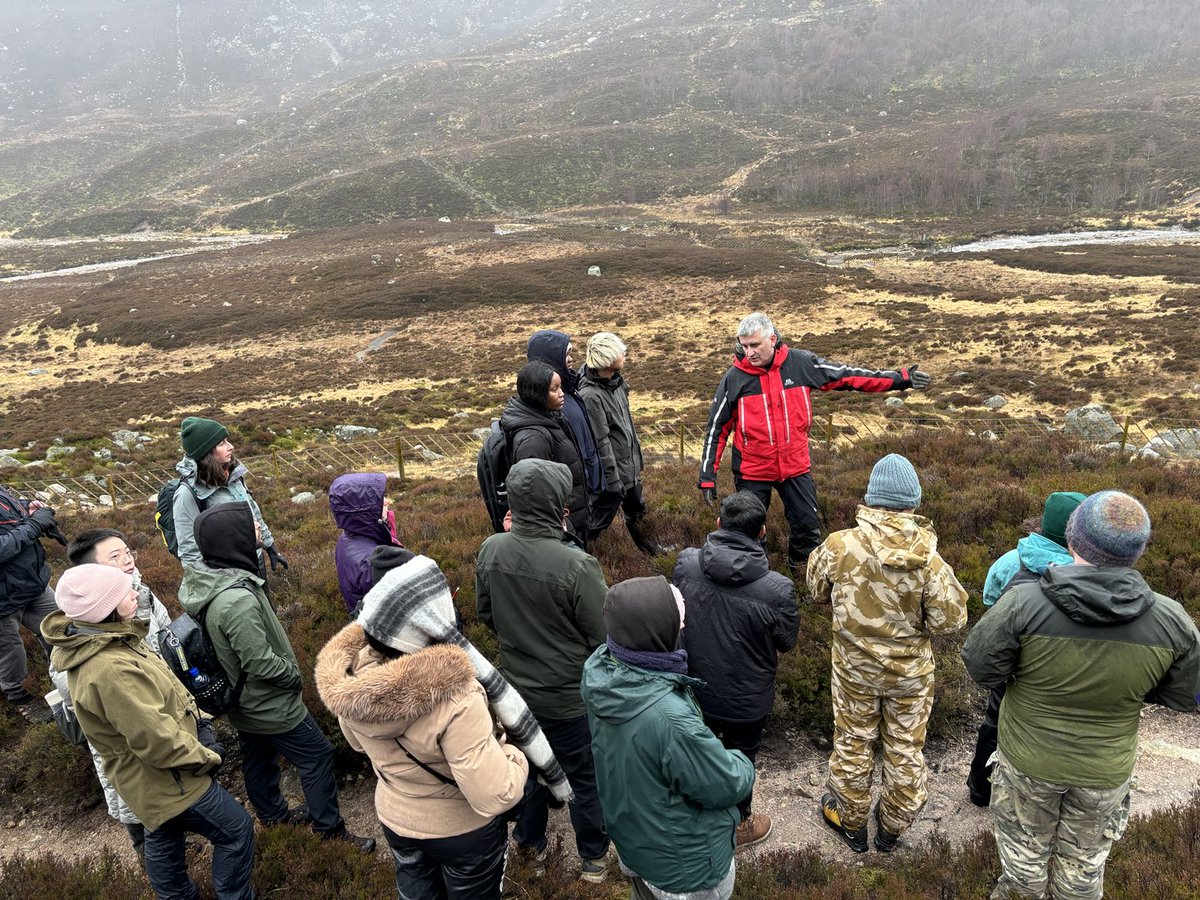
<point x="88" y="593"/>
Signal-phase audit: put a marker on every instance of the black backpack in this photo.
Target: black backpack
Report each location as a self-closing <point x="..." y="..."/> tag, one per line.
<point x="495" y="459"/>
<point x="189" y="653"/>
<point x="164" y="513"/>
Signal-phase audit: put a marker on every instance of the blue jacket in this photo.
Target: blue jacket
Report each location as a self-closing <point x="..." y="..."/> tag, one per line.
<point x="1035" y="553"/>
<point x="24" y="573"/>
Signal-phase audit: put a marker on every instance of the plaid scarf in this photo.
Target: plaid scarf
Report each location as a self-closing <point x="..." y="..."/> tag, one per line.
<point x="410" y="608"/>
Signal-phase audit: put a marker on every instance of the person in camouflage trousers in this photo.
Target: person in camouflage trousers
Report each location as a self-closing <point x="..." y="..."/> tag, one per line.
<point x="890" y="591"/>
<point x="1081" y="651"/>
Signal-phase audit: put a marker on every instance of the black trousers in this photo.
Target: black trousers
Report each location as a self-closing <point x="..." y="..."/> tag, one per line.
<point x="571" y="741"/>
<point x="744" y="736"/>
<point x="606" y="504"/>
<point x="306" y="748"/>
<point x="978" y="781"/>
<point x="799" y="497"/>
<point x="464" y="867"/>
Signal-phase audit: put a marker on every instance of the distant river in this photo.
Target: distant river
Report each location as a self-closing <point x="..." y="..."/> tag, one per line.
<point x="1070" y="238"/>
<point x="198" y="245"/>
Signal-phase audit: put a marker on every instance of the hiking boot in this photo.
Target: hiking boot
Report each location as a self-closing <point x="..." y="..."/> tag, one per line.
<point x="297" y="815"/>
<point x="753" y="830"/>
<point x="855" y="839"/>
<point x="885" y="841"/>
<point x="34" y="709"/>
<point x="594" y="870"/>
<point x="361" y="844"/>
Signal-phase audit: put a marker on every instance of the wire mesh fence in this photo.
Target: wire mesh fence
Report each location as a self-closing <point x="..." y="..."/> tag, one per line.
<point x="417" y="455"/>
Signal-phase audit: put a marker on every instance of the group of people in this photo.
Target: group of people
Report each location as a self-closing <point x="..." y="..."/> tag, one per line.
<point x="640" y="705"/>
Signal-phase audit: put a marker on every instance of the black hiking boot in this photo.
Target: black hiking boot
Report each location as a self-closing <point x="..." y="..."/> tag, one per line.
<point x="885" y="841"/>
<point x="855" y="839"/>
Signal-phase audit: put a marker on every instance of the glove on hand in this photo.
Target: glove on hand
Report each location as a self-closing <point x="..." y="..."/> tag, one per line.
<point x="44" y="519"/>
<point x="710" y="495"/>
<point x="918" y="381"/>
<point x="276" y="558"/>
<point x="208" y="737"/>
<point x="57" y="535"/>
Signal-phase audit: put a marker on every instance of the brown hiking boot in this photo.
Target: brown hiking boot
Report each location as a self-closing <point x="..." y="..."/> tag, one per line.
<point x="856" y="839"/>
<point x="753" y="830"/>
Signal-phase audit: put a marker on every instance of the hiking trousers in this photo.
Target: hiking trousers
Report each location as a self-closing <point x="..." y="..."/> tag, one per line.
<point x="862" y="713"/>
<point x="799" y="496"/>
<point x="1053" y="836"/>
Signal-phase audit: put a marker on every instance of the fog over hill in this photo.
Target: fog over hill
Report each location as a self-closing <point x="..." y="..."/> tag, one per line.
<point x="210" y="115"/>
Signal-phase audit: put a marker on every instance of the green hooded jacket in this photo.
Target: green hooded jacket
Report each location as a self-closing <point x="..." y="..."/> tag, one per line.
<point x="248" y="637"/>
<point x="135" y="713"/>
<point x="541" y="594"/>
<point x="668" y="788"/>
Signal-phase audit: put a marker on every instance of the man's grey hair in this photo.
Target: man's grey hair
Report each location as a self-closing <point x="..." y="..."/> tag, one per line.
<point x="604" y="349"/>
<point x="754" y="323"/>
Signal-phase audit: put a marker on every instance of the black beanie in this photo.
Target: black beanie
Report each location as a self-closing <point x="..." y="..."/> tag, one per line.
<point x="641" y="614"/>
<point x="386" y="557"/>
<point x="225" y="537"/>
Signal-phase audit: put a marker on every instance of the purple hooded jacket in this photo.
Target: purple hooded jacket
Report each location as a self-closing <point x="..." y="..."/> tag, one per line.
<point x="356" y="502"/>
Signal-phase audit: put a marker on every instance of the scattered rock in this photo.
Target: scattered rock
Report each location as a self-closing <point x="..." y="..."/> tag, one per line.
<point x="105" y="500"/>
<point x="376" y="259"/>
<point x="36" y="462"/>
<point x="103" y="454"/>
<point x="1149" y="452"/>
<point x="124" y="438"/>
<point x="40" y="371"/>
<point x="961" y="376"/>
<point x="1092" y="423"/>
<point x="995" y="402"/>
<point x="1180" y="442"/>
<point x="56" y="452"/>
<point x="894" y="402"/>
<point x="57" y="488"/>
<point x="814" y="778"/>
<point x="445" y="220"/>
<point x="989" y="435"/>
<point x="592" y="270"/>
<point x="8" y="462"/>
<point x="303" y="497"/>
<point x="461" y="415"/>
<point x="481" y="433"/>
<point x="427" y="454"/>
<point x="347" y="433"/>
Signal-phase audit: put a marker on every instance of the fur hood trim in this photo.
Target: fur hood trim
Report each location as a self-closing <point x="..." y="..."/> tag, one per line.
<point x="365" y="687"/>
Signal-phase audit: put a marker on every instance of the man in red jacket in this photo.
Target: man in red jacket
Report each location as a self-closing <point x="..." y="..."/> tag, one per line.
<point x="764" y="400"/>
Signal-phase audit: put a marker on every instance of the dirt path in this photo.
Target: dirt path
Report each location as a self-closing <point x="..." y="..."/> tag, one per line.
<point x="790" y="782"/>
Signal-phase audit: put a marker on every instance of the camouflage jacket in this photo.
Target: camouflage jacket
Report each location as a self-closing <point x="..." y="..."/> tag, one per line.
<point x="890" y="591"/>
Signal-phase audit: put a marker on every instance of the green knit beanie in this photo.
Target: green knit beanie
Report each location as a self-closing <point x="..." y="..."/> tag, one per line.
<point x="199" y="436"/>
<point x="1057" y="510"/>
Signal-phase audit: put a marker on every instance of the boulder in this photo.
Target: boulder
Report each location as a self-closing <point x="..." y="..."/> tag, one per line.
<point x="1182" y="443"/>
<point x="995" y="402"/>
<point x="347" y="433"/>
<point x="303" y="497"/>
<point x="57" y="488"/>
<point x="594" y="271"/>
<point x="1092" y="423"/>
<point x="56" y="451"/>
<point x="37" y="371"/>
<point x="894" y="402"/>
<point x="8" y="462"/>
<point x="124" y="438"/>
<point x="480" y="434"/>
<point x="103" y="454"/>
<point x="427" y="454"/>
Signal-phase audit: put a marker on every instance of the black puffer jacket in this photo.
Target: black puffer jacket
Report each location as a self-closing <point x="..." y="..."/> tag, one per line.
<point x="739" y="616"/>
<point x="23" y="570"/>
<point x="537" y="434"/>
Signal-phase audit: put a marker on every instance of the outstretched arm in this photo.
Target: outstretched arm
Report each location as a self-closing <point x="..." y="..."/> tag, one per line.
<point x="722" y="417"/>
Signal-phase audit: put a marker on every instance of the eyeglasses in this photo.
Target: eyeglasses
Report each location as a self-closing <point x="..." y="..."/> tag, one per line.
<point x="121" y="555"/>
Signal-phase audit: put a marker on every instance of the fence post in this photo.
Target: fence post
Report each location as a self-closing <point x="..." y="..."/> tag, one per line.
<point x="1125" y="433"/>
<point x="275" y="461"/>
<point x="112" y="491"/>
<point x="400" y="458"/>
<point x="681" y="442"/>
<point x="829" y="433"/>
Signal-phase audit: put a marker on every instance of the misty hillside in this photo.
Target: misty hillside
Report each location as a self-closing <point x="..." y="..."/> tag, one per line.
<point x="914" y="107"/>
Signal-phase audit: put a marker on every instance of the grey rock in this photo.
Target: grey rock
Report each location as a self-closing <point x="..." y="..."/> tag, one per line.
<point x="594" y="271"/>
<point x="461" y="415"/>
<point x="57" y="488"/>
<point x="303" y="497"/>
<point x="8" y="462"/>
<point x="124" y="438"/>
<point x="427" y="454"/>
<point x="1183" y="443"/>
<point x="13" y="451"/>
<point x="1149" y="452"/>
<point x="961" y="376"/>
<point x="481" y="433"/>
<point x="1092" y="423"/>
<point x="105" y="500"/>
<point x="56" y="452"/>
<point x="36" y="462"/>
<point x="37" y="371"/>
<point x="347" y="433"/>
<point x="989" y="435"/>
<point x="995" y="402"/>
<point x="103" y="454"/>
<point x="894" y="402"/>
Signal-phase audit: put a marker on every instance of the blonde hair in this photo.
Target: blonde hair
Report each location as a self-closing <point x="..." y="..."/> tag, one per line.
<point x="604" y="349"/>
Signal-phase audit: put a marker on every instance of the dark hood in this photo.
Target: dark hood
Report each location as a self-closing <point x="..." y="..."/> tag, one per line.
<point x="356" y="502"/>
<point x="641" y="614"/>
<point x="730" y="557"/>
<point x="1097" y="595"/>
<point x="518" y="414"/>
<point x="225" y="537"/>
<point x="537" y="492"/>
<point x="551" y="346"/>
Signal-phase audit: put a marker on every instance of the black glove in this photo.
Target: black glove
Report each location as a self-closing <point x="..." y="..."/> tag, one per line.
<point x="53" y="532"/>
<point x="208" y="737"/>
<point x="44" y="519"/>
<point x="918" y="381"/>
<point x="276" y="558"/>
<point x="709" y="494"/>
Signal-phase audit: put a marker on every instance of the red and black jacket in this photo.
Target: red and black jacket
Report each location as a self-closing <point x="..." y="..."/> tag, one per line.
<point x="769" y="412"/>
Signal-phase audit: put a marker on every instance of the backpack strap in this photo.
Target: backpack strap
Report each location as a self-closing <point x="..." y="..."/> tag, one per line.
<point x="202" y="614"/>
<point x="445" y="779"/>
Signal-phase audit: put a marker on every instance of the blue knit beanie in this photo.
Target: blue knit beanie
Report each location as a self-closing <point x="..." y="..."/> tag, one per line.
<point x="1109" y="528"/>
<point x="894" y="484"/>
